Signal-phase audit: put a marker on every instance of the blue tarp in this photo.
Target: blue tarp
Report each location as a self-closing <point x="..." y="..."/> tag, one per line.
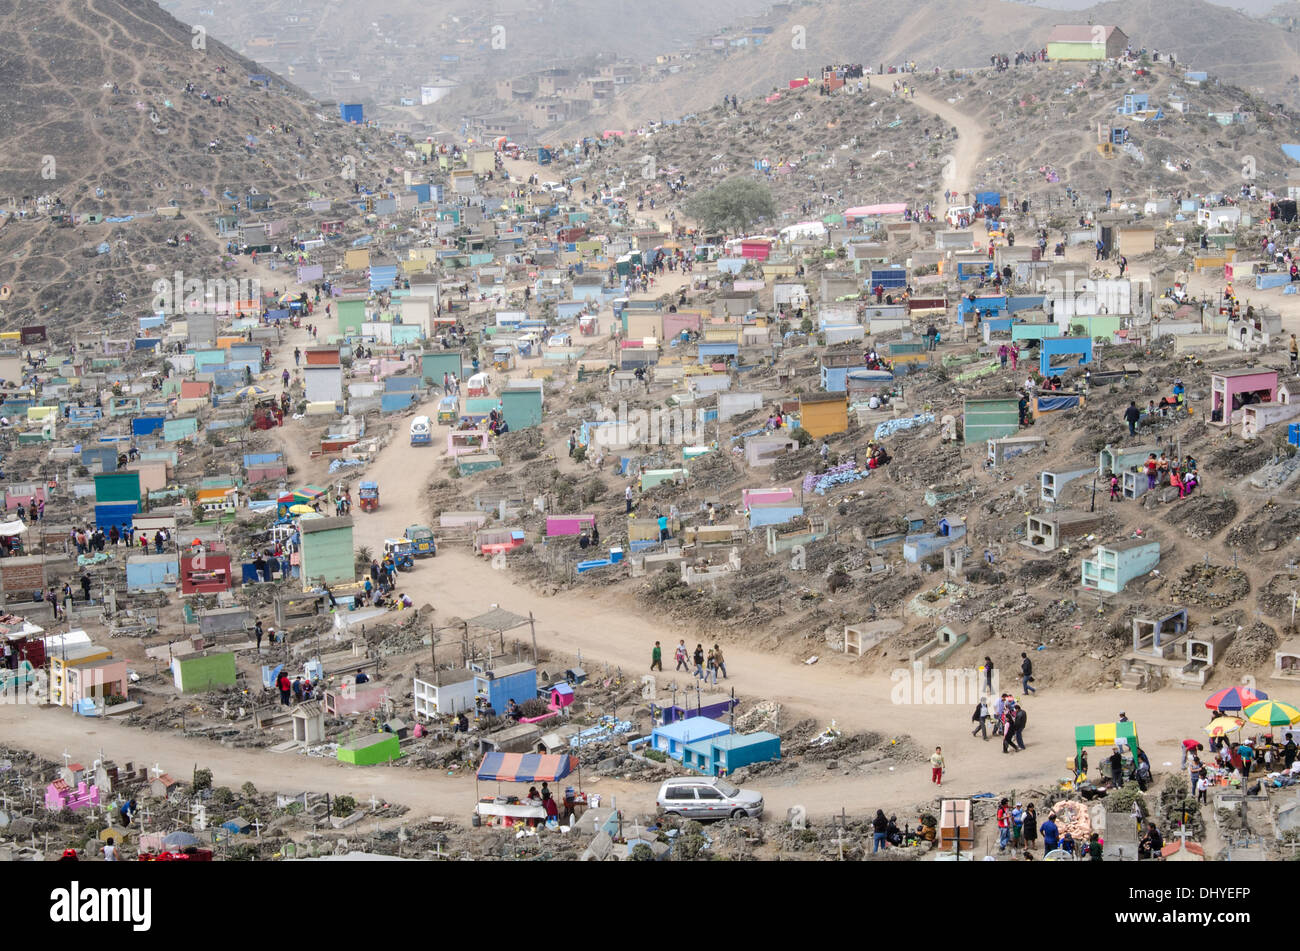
<point x="1048" y="404"/>
<point x="1292" y="152"/>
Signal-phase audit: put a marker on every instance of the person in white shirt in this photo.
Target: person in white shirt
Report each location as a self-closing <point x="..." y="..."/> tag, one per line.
<point x="874" y="402"/>
<point x="110" y="851"/>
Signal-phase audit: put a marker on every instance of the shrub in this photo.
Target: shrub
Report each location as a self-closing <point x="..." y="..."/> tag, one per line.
<point x="343" y="806"/>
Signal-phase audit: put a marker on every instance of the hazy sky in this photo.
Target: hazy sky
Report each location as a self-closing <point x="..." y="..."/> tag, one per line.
<point x="1250" y="7"/>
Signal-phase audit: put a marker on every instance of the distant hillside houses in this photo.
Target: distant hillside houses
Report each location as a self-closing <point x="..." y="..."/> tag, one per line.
<point x="1086" y="42"/>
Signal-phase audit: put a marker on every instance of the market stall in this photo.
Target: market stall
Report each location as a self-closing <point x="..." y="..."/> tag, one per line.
<point x="1121" y="735"/>
<point x="523" y="768"/>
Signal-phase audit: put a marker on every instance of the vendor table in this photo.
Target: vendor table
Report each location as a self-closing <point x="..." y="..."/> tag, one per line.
<point x="514" y="810"/>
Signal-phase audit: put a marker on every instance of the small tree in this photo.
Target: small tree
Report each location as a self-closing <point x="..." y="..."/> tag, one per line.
<point x="202" y="779"/>
<point x="734" y="205"/>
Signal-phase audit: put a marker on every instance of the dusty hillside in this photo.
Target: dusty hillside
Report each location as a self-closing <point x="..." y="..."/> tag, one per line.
<point x="97" y="119"/>
<point x="948" y="35"/>
<point x="1041" y="135"/>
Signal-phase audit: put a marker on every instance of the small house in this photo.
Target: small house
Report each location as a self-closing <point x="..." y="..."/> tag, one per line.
<point x="1230" y="390"/>
<point x="205" y="573"/>
<point x="1049" y="532"/>
<point x="327" y="551"/>
<point x="371" y="750"/>
<point x="823" y="414"/>
<point x="163" y="785"/>
<point x="990" y="418"/>
<point x="308" y="723"/>
<point x="1112" y="567"/>
<point x="195" y="673"/>
<point x="1083" y="42"/>
<point x="673" y="738"/>
<point x="448" y="692"/>
<point x="517" y="682"/>
<point x="723" y="755"/>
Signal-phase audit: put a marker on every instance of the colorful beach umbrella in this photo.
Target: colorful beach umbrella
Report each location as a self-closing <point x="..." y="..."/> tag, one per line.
<point x="1235" y="698"/>
<point x="1272" y="713"/>
<point x="1222" y="726"/>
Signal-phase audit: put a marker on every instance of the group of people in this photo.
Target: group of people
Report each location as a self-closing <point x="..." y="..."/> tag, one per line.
<point x="547" y="800"/>
<point x="1018" y="828"/>
<point x="343" y="503"/>
<point x="497" y="424"/>
<point x="301" y="689"/>
<point x="1232" y="761"/>
<point x="52" y="595"/>
<point x="874" y="361"/>
<point x="1161" y="471"/>
<point x="1008" y="718"/>
<point x="707" y="666"/>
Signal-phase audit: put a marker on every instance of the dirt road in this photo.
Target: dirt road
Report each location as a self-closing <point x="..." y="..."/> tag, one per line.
<point x="960" y="172"/>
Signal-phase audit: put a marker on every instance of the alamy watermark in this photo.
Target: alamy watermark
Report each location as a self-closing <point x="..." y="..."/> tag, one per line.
<point x="29" y="689"/>
<point x="952" y="685"/>
<point x="179" y="295"/>
<point x="1111" y="297"/>
<point x="655" y="427"/>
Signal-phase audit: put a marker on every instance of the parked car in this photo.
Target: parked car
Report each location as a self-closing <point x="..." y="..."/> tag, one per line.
<point x="555" y="188"/>
<point x="707" y="797"/>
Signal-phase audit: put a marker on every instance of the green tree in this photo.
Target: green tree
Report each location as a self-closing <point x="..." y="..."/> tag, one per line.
<point x="735" y="205"/>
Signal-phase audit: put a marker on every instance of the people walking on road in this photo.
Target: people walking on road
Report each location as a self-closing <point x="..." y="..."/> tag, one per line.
<point x="1026" y="673"/>
<point x="936" y="766"/>
<point x="657" y="658"/>
<point x="722" y="664"/>
<point x="699" y="661"/>
<point x="980" y="718"/>
<point x="680" y="655"/>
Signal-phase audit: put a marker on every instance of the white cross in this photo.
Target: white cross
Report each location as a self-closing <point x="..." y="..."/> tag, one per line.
<point x="374" y="803"/>
<point x="67" y="758"/>
<point x="157" y="770"/>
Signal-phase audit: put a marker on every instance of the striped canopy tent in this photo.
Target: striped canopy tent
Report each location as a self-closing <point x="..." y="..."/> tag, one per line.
<point x="1105" y="734"/>
<point x="524" y="767"/>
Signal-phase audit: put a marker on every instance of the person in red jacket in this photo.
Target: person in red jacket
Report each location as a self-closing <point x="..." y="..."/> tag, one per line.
<point x="284" y="685"/>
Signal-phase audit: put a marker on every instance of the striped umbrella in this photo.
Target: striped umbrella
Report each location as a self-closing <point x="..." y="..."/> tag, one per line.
<point x="1222" y="726"/>
<point x="1234" y="698"/>
<point x="1272" y="713"/>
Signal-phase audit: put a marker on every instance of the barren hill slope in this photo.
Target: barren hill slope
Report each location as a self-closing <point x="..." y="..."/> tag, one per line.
<point x="958" y="35"/>
<point x="96" y="119"/>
